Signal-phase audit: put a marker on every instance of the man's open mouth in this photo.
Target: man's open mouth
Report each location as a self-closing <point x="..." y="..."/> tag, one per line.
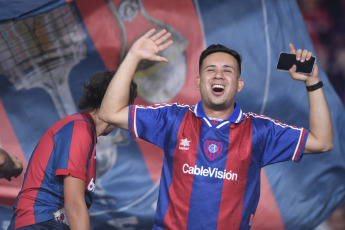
<point x="217" y="88"/>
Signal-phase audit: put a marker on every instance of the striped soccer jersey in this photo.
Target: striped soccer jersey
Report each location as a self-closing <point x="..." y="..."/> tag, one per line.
<point x="66" y="148"/>
<point x="211" y="168"/>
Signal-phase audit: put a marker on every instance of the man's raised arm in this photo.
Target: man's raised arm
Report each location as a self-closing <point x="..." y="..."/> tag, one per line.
<point x="114" y="107"/>
<point x="320" y="138"/>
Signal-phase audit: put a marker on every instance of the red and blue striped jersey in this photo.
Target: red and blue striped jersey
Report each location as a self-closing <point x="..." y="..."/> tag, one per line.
<point x="211" y="168"/>
<point x="66" y="148"/>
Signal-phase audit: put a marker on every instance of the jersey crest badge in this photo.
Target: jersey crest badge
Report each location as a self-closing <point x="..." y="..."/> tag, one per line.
<point x="213" y="149"/>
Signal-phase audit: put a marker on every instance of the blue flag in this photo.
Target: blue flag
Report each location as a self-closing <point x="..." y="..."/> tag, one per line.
<point x="16" y="10"/>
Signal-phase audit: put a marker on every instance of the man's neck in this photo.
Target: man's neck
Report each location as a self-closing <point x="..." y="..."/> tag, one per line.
<point x="218" y="114"/>
<point x="99" y="124"/>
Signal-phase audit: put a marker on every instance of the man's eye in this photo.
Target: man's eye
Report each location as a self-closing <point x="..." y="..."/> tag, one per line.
<point x="210" y="70"/>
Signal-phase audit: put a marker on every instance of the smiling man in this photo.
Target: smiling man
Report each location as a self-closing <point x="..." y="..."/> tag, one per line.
<point x="213" y="152"/>
<point x="219" y="80"/>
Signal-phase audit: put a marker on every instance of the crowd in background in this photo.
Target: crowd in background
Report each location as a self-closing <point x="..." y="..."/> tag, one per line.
<point x="325" y="21"/>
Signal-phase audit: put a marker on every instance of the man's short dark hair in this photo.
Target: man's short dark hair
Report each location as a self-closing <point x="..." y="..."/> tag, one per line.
<point x="215" y="48"/>
<point x="94" y="90"/>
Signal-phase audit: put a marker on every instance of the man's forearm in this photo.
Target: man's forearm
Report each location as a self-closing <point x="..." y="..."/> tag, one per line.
<point x="116" y="97"/>
<point x="320" y="138"/>
<point x="74" y="203"/>
<point x="114" y="108"/>
<point x="78" y="217"/>
<point x="320" y="123"/>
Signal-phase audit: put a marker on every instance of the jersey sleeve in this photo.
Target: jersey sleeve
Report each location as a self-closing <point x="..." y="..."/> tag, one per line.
<point x="280" y="142"/>
<point x="74" y="147"/>
<point x="152" y="123"/>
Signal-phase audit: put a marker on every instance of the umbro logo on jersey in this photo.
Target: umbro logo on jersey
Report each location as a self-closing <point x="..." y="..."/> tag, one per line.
<point x="184" y="144"/>
<point x="213" y="149"/>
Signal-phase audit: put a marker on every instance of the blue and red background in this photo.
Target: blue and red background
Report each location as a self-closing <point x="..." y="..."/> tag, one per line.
<point x="293" y="196"/>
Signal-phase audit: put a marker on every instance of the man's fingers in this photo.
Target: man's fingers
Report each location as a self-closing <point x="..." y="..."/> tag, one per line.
<point x="165" y="45"/>
<point x="293" y="69"/>
<point x="298" y="54"/>
<point x="152" y="43"/>
<point x="163" y="38"/>
<point x="150" y="32"/>
<point x="158" y="35"/>
<point x="292" y="48"/>
<point x="304" y="55"/>
<point x="159" y="58"/>
<point x="309" y="55"/>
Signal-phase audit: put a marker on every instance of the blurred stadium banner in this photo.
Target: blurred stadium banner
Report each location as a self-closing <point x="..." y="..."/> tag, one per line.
<point x="49" y="48"/>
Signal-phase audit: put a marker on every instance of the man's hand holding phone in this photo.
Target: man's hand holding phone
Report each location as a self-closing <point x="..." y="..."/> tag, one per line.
<point x="303" y="57"/>
<point x="300" y="64"/>
<point x="287" y="60"/>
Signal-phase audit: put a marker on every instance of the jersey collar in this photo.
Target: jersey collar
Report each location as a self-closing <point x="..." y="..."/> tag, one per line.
<point x="235" y="117"/>
<point x="89" y="117"/>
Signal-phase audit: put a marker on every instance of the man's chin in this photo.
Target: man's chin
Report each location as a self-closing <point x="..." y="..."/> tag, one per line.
<point x="220" y="105"/>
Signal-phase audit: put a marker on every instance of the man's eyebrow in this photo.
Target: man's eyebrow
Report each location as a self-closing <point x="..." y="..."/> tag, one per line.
<point x="229" y="66"/>
<point x="225" y="66"/>
<point x="208" y="66"/>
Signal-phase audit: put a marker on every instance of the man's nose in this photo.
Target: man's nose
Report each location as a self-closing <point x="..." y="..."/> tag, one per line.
<point x="218" y="74"/>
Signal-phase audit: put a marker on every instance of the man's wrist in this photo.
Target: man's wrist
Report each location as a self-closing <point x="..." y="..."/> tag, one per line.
<point x="313" y="87"/>
<point x="133" y="56"/>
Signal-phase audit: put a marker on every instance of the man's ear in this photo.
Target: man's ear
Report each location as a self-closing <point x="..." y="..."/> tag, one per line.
<point x="240" y="85"/>
<point x="197" y="82"/>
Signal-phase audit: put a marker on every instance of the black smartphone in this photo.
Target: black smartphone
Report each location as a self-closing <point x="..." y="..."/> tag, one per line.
<point x="287" y="60"/>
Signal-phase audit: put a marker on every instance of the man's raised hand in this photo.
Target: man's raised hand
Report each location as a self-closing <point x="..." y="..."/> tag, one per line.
<point x="303" y="55"/>
<point x="150" y="44"/>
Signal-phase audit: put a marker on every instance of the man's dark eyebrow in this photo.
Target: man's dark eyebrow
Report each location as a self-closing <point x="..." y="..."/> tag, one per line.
<point x="229" y="66"/>
<point x="208" y="66"/>
<point x="226" y="66"/>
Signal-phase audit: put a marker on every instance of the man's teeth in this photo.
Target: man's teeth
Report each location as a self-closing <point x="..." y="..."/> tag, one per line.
<point x="217" y="86"/>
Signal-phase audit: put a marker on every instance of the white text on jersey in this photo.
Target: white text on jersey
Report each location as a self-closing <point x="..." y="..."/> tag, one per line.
<point x="210" y="172"/>
<point x="91" y="186"/>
